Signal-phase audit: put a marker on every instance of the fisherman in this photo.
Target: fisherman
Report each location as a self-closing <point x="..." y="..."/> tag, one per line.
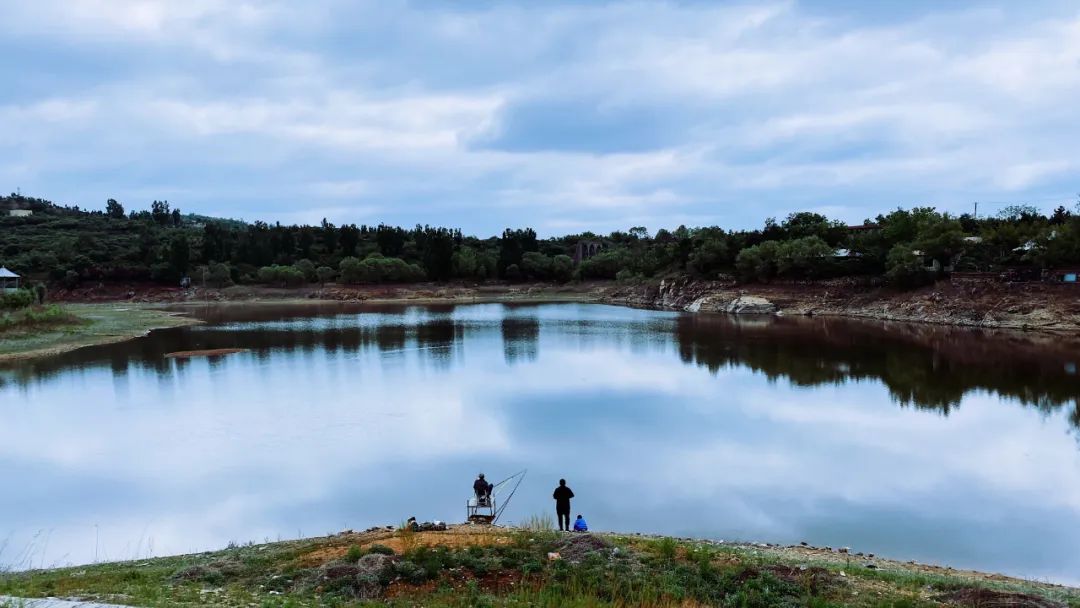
<point x="562" y="496"/>
<point x="483" y="491"/>
<point x="580" y="525"/>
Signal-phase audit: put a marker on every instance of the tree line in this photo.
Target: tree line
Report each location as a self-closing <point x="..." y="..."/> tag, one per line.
<point x="69" y="245"/>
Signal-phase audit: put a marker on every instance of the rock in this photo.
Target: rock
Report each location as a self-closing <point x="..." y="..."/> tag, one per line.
<point x="750" y="305"/>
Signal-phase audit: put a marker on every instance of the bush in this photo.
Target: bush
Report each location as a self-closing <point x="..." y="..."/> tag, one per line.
<point x="354" y="553"/>
<point x="14" y="300"/>
<point x="377" y="268"/>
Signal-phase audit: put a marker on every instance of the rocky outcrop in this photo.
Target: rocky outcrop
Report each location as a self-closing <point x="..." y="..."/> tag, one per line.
<point x="750" y="305"/>
<point x="697" y="296"/>
<point x="1023" y="306"/>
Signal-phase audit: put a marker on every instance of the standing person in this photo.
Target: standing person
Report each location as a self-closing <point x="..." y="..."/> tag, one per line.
<point x="562" y="496"/>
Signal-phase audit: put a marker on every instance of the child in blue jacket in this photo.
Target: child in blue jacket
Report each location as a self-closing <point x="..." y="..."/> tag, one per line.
<point x="580" y="525"/>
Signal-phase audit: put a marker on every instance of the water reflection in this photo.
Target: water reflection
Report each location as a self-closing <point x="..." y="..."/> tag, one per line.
<point x="766" y="429"/>
<point x="926" y="366"/>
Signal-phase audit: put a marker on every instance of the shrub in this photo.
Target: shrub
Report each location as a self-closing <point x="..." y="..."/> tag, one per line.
<point x="14" y="300"/>
<point x="354" y="553"/>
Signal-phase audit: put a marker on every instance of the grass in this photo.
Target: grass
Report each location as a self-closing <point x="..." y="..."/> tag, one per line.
<point x="542" y="522"/>
<point x="51" y="330"/>
<point x="36" y="317"/>
<point x="509" y="568"/>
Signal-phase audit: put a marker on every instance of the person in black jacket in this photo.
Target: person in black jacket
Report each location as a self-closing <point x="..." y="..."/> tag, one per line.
<point x="562" y="496"/>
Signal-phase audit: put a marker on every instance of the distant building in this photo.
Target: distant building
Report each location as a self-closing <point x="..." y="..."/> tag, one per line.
<point x="20" y="213"/>
<point x="9" y="281"/>
<point x="585" y="250"/>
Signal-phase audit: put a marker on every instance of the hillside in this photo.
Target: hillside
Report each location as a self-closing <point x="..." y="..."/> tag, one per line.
<point x="69" y="247"/>
<point x="487" y="566"/>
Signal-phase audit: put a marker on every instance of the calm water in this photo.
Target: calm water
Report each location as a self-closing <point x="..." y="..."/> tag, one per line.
<point x="914" y="442"/>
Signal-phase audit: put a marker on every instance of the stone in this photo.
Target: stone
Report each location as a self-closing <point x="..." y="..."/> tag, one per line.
<point x="750" y="305"/>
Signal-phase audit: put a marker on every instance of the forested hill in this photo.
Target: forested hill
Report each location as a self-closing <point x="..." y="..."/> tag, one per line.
<point x="69" y="245"/>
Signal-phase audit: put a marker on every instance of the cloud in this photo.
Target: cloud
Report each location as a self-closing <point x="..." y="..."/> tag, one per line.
<point x="555" y="115"/>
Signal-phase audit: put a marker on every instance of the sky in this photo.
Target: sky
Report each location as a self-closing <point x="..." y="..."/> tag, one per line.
<point x="560" y="115"/>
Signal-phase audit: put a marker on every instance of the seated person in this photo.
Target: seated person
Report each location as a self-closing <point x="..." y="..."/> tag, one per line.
<point x="580" y="525"/>
<point x="483" y="491"/>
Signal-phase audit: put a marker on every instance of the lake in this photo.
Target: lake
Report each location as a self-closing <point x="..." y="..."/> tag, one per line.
<point x="941" y="445"/>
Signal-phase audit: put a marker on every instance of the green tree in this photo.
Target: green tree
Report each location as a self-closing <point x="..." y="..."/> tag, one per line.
<point x="268" y="275"/>
<point x="464" y="262"/>
<point x="710" y="256"/>
<point x="308" y="269"/>
<point x="757" y="262"/>
<point x="114" y="209"/>
<point x="805" y="257"/>
<point x="179" y="255"/>
<point x="905" y="268"/>
<point x="325" y="274"/>
<point x="941" y="240"/>
<point x="562" y="268"/>
<point x="349" y="269"/>
<point x="535" y="265"/>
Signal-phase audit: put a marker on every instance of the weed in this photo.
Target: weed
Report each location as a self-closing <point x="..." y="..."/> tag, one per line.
<point x="541" y="522"/>
<point x="407" y="534"/>
<point x="354" y="553"/>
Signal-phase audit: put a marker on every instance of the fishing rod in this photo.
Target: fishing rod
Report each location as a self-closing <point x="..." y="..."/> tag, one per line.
<point x="520" y="475"/>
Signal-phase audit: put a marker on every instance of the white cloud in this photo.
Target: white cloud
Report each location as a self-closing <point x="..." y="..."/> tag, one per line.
<point x="775" y="104"/>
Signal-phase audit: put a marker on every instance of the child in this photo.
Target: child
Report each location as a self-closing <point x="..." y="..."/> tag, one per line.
<point x="580" y="525"/>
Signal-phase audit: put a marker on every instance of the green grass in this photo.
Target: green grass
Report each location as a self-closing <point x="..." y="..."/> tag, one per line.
<point x="628" y="571"/>
<point x="71" y="326"/>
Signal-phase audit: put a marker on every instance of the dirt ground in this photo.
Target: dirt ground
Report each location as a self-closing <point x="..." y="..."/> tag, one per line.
<point x="454" y="537"/>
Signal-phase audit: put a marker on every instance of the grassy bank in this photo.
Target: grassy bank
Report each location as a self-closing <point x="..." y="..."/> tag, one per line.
<point x="471" y="566"/>
<point x="60" y="329"/>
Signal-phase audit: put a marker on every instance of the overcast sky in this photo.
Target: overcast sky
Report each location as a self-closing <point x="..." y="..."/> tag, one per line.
<point x="563" y="116"/>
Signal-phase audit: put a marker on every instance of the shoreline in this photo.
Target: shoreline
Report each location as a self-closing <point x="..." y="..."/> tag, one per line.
<point x="105" y="323"/>
<point x="509" y="564"/>
<point x="1036" y="308"/>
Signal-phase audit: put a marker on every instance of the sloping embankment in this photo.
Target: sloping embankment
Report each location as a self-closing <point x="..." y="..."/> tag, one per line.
<point x="492" y="566"/>
<point x="1018" y="306"/>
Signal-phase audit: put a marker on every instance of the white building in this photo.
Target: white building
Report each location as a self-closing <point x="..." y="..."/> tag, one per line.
<point x="20" y="213"/>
